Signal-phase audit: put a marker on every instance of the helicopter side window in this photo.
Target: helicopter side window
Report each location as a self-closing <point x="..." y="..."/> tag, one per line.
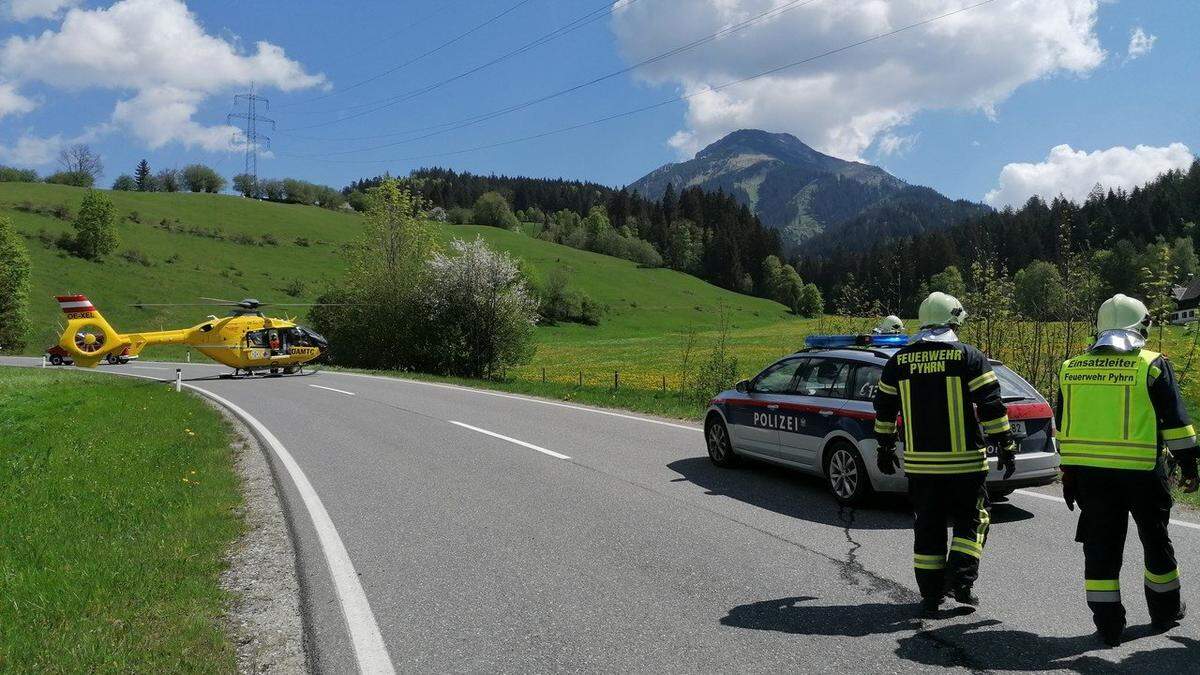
<point x="256" y="338"/>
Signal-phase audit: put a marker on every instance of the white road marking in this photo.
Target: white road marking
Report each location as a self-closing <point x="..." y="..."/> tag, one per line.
<point x="369" y="647"/>
<point x="521" y="398"/>
<point x="1055" y="498"/>
<point x="148" y="368"/>
<point x="493" y="434"/>
<point x="348" y="393"/>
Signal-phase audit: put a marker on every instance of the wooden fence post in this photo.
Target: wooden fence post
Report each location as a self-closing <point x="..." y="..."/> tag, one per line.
<point x="543" y="375"/>
<point x="616" y="380"/>
<point x="581" y="378"/>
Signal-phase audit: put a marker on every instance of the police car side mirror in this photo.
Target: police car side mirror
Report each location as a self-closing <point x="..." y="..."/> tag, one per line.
<point x="742" y="386"/>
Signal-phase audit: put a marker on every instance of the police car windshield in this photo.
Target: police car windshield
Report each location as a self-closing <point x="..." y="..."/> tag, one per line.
<point x="1012" y="386"/>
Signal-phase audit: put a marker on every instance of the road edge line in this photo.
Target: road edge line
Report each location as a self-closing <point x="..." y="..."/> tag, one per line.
<point x="370" y="651"/>
<point x="531" y="399"/>
<point x="1053" y="498"/>
<point x="369" y="648"/>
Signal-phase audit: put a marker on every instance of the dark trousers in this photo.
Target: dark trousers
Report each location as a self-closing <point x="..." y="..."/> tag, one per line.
<point x="1106" y="498"/>
<point x="961" y="502"/>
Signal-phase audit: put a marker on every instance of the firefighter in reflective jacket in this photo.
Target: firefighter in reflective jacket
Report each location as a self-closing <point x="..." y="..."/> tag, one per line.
<point x="1118" y="405"/>
<point x="950" y="410"/>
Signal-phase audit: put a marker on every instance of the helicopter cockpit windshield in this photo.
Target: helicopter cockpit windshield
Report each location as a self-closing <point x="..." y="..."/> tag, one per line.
<point x="281" y="340"/>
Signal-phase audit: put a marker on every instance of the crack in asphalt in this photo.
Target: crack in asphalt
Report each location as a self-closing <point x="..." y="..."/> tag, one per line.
<point x="853" y="571"/>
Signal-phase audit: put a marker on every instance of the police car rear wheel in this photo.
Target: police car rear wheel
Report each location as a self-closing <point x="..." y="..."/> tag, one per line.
<point x="847" y="474"/>
<point x="56" y="360"/>
<point x="720" y="450"/>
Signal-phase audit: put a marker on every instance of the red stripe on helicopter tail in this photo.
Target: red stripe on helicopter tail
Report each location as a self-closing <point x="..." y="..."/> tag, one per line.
<point x="74" y="303"/>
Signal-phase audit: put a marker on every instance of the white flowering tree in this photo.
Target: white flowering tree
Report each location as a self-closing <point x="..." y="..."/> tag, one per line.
<point x="481" y="310"/>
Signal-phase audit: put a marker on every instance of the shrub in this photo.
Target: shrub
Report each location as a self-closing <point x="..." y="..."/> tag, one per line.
<point x="301" y="241"/>
<point x="492" y="209"/>
<point x="10" y="174"/>
<point x="167" y="180"/>
<point x="559" y="302"/>
<point x="643" y="253"/>
<point x="200" y="178"/>
<point x="481" y="308"/>
<point x="14" y="288"/>
<point x="460" y="216"/>
<point x="61" y="211"/>
<point x="437" y="214"/>
<point x="244" y="239"/>
<point x="269" y="239"/>
<point x="295" y="288"/>
<point x="96" y="226"/>
<point x="172" y="259"/>
<point x="75" y="178"/>
<point x="135" y="217"/>
<point x="136" y="257"/>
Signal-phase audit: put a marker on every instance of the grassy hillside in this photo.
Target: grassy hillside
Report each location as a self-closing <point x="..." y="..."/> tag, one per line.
<point x="177" y="247"/>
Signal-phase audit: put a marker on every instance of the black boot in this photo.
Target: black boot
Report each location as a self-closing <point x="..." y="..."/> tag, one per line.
<point x="930" y="607"/>
<point x="1111" y="635"/>
<point x="1170" y="621"/>
<point x="964" y="596"/>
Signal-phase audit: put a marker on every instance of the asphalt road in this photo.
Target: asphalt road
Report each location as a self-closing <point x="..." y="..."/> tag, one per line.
<point x="580" y="540"/>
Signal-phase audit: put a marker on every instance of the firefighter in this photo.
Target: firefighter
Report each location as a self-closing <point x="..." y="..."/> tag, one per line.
<point x="889" y="325"/>
<point x="1118" y="404"/>
<point x="936" y="383"/>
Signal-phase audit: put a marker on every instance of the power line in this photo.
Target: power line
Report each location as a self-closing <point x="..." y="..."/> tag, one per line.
<point x="252" y="138"/>
<point x="470" y="121"/>
<point x="660" y="104"/>
<point x="413" y="60"/>
<point x="446" y="4"/>
<point x="605" y="9"/>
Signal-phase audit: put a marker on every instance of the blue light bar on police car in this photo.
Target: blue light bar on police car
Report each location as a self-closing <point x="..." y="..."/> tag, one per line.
<point x="842" y="341"/>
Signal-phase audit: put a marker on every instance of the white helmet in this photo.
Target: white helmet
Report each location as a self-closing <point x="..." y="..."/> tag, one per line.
<point x="890" y="325"/>
<point x="940" y="309"/>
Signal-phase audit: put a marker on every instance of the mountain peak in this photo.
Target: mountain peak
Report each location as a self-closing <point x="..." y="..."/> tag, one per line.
<point x="790" y="186"/>
<point x="779" y="145"/>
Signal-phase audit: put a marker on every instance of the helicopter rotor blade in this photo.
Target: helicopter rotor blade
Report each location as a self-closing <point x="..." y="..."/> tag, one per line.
<point x="180" y="304"/>
<point x="231" y="302"/>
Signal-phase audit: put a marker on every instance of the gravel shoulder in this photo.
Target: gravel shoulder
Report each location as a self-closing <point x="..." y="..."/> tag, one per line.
<point x="264" y="613"/>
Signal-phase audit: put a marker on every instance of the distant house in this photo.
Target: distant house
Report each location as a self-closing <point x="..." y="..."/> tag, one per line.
<point x="1187" y="303"/>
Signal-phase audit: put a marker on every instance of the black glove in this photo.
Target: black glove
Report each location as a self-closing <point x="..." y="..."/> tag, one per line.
<point x="885" y="456"/>
<point x="1187" y="470"/>
<point x="1006" y="453"/>
<point x="1068" y="487"/>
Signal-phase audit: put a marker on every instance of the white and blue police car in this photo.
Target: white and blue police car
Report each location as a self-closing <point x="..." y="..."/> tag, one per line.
<point x="813" y="411"/>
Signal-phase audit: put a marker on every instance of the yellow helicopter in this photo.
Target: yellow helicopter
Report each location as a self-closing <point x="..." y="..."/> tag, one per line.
<point x="245" y="340"/>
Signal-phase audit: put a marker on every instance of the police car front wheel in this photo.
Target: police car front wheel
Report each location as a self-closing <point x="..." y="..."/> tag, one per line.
<point x="720" y="449"/>
<point x="847" y="474"/>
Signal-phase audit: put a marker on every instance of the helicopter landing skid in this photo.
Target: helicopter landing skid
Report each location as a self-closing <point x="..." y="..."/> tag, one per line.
<point x="243" y="373"/>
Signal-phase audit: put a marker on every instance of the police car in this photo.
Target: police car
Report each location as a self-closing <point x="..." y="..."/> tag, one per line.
<point x="813" y="411"/>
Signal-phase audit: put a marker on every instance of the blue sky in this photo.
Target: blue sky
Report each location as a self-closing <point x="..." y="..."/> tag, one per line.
<point x="951" y="112"/>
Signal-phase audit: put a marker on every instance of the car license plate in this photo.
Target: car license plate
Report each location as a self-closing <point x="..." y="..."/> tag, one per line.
<point x="1018" y="428"/>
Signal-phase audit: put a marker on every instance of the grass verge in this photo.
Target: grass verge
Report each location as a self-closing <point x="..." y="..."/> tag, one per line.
<point x="119" y="505"/>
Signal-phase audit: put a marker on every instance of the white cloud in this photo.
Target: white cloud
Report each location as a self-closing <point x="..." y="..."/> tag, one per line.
<point x="158" y="50"/>
<point x="13" y="103"/>
<point x="30" y="150"/>
<point x="1140" y="43"/>
<point x="1073" y="173"/>
<point x="842" y="103"/>
<point x="893" y="144"/>
<point x="24" y="10"/>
